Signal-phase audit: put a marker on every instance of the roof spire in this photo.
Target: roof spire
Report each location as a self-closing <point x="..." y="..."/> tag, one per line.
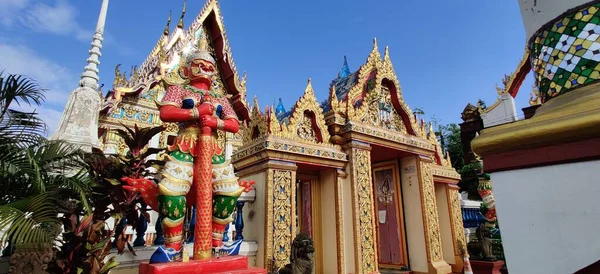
<point x="280" y="108"/>
<point x="345" y="69"/>
<point x="78" y="124"/>
<point x="89" y="77"/>
<point x="180" y="23"/>
<point x="167" y="27"/>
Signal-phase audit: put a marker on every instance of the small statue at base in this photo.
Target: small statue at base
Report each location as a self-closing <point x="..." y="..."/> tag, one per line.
<point x="301" y="257"/>
<point x="482" y="249"/>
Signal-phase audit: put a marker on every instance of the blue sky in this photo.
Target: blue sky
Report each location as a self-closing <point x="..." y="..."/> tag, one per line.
<point x="445" y="53"/>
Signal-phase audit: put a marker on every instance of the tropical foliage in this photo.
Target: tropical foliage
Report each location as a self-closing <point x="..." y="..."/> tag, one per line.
<point x="34" y="171"/>
<point x="55" y="195"/>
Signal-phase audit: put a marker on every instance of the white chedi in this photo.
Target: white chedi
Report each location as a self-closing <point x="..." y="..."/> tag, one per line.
<point x="539" y="12"/>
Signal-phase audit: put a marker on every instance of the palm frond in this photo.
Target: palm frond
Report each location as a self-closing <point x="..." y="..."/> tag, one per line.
<point x="77" y="186"/>
<point x="22" y="128"/>
<point x="18" y="88"/>
<point x="30" y="221"/>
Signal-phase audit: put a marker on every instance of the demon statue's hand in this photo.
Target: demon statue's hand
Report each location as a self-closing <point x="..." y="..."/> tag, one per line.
<point x="206" y="109"/>
<point x="208" y="121"/>
<point x="148" y="190"/>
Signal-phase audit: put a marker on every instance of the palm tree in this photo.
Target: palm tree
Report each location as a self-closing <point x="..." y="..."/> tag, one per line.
<point x="38" y="177"/>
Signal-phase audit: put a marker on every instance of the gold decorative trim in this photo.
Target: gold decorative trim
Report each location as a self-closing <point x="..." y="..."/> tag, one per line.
<point x="389" y="136"/>
<point x="445" y="172"/>
<point x="339" y="215"/>
<point x="431" y="225"/>
<point x="280" y="225"/>
<point x="165" y="191"/>
<point x="223" y="221"/>
<point x="458" y="231"/>
<point x="307" y="103"/>
<point x="364" y="227"/>
<point x="384" y="70"/>
<point x="172" y="223"/>
<point x="570" y="117"/>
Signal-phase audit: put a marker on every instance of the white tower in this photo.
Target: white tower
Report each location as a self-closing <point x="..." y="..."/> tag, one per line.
<point x="79" y="122"/>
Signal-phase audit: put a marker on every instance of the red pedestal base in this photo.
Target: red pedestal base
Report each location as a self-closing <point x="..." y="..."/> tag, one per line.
<point x="228" y="264"/>
<point x="483" y="267"/>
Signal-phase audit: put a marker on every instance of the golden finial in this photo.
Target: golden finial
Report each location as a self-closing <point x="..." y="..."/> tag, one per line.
<point x="167" y="27"/>
<point x="243" y="81"/>
<point x="309" y="88"/>
<point x="534" y="97"/>
<point x="274" y="125"/>
<point x="202" y="43"/>
<point x="180" y="23"/>
<point x="375" y="43"/>
<point x="386" y="55"/>
<point x="256" y="103"/>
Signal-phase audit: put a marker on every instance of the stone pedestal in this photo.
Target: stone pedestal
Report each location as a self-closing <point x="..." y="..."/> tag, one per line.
<point x="231" y="264"/>
<point x="484" y="267"/>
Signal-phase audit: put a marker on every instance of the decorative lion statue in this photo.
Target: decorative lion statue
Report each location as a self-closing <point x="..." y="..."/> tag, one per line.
<point x="482" y="249"/>
<point x="301" y="256"/>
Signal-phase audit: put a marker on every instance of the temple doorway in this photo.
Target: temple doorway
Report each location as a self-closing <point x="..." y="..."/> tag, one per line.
<point x="391" y="236"/>
<point x="308" y="211"/>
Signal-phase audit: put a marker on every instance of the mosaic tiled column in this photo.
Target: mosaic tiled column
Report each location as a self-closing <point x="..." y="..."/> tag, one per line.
<point x="281" y="212"/>
<point x="362" y="206"/>
<point x="458" y="231"/>
<point x="565" y="52"/>
<point x="431" y="222"/>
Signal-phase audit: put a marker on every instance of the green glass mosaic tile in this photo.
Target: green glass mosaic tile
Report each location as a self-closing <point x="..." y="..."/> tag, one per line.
<point x="566" y="54"/>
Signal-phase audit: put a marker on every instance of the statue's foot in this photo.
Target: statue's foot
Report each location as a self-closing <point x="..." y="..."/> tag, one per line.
<point x="165" y="255"/>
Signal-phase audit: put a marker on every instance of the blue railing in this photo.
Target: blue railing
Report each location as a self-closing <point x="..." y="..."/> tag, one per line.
<point x="472" y="217"/>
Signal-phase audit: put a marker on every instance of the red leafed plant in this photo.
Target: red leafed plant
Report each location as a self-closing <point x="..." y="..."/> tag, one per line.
<point x="87" y="242"/>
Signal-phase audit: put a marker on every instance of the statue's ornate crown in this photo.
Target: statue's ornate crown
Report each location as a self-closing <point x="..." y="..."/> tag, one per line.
<point x="199" y="50"/>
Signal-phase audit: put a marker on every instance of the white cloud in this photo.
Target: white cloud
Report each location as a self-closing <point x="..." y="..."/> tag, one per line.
<point x="8" y="10"/>
<point x="58" y="19"/>
<point x="58" y="80"/>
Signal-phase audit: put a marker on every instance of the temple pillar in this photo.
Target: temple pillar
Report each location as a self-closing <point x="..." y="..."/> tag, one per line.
<point x="365" y="252"/>
<point x="422" y="221"/>
<point x="343" y="216"/>
<point x="280" y="213"/>
<point x="453" y="234"/>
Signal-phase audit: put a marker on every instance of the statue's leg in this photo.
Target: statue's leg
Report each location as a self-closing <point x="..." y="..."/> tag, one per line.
<point x="225" y="195"/>
<point x="175" y="184"/>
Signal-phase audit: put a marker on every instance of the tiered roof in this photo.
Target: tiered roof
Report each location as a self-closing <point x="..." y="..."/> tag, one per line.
<point x="366" y="103"/>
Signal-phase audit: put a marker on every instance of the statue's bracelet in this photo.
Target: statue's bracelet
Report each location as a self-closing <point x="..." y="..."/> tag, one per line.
<point x="195" y="113"/>
<point x="220" y="124"/>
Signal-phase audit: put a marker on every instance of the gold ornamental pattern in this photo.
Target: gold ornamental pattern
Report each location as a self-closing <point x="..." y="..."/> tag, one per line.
<point x="280" y="214"/>
<point x="362" y="191"/>
<point x="339" y="224"/>
<point x="458" y="231"/>
<point x="432" y="225"/>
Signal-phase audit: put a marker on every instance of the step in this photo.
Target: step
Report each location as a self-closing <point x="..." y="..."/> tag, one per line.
<point x="250" y="270"/>
<point x="226" y="264"/>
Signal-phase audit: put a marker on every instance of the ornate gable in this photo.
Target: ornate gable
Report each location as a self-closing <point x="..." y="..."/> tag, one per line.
<point x="307" y="122"/>
<point x="375" y="98"/>
<point x="257" y="126"/>
<point x="141" y="88"/>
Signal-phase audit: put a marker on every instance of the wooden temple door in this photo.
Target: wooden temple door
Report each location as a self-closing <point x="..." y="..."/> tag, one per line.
<point x="308" y="209"/>
<point x="305" y="207"/>
<point x="389" y="216"/>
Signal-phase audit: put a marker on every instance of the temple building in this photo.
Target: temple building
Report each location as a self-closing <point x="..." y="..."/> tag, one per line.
<point x="544" y="168"/>
<point x="358" y="172"/>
